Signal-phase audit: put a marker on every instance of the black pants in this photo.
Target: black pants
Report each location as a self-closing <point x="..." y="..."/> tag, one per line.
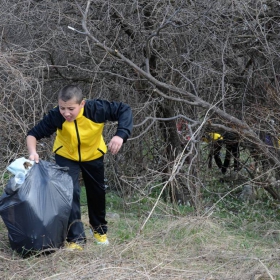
<point x="232" y="149"/>
<point x="93" y="176"/>
<point x="215" y="150"/>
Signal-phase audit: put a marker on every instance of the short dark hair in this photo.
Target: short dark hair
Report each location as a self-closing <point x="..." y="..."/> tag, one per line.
<point x="71" y="91"/>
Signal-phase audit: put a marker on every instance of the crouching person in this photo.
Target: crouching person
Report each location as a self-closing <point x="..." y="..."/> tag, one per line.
<point x="230" y="141"/>
<point x="79" y="145"/>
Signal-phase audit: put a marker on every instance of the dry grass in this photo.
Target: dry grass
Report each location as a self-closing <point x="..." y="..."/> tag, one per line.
<point x="168" y="248"/>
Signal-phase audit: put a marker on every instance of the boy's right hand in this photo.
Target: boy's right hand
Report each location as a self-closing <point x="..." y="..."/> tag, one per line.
<point x="34" y="156"/>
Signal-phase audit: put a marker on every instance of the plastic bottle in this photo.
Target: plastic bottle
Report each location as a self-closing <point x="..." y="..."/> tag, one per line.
<point x="15" y="183"/>
<point x="19" y="178"/>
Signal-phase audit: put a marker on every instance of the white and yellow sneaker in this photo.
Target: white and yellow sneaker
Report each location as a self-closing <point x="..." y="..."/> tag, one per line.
<point x="72" y="246"/>
<point x="101" y="239"/>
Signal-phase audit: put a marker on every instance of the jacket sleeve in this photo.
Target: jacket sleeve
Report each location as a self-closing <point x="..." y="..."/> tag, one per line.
<point x="47" y="126"/>
<point x="102" y="111"/>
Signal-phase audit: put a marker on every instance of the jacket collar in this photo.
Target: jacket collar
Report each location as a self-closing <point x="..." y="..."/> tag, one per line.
<point x="81" y="113"/>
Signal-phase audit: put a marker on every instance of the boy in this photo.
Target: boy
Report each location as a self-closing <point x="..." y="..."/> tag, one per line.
<point x="231" y="142"/>
<point x="79" y="145"/>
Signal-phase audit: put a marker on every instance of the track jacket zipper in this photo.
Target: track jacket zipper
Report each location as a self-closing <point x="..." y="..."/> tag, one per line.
<point x="79" y="141"/>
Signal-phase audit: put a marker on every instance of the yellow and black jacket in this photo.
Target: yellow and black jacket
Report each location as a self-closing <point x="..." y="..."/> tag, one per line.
<point x="212" y="136"/>
<point x="82" y="140"/>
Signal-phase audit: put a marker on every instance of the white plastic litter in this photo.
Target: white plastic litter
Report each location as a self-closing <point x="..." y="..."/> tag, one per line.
<point x="20" y="165"/>
<point x="19" y="178"/>
<point x="15" y="183"/>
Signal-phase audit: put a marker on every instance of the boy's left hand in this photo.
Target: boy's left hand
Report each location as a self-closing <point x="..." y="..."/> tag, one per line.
<point x="115" y="145"/>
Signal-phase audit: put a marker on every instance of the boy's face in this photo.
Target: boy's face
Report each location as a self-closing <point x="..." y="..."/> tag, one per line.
<point x="70" y="109"/>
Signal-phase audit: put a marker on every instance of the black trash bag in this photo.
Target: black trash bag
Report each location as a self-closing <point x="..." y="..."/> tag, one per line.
<point x="36" y="215"/>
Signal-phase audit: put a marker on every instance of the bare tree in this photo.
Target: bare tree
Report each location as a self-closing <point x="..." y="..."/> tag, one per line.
<point x="213" y="64"/>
